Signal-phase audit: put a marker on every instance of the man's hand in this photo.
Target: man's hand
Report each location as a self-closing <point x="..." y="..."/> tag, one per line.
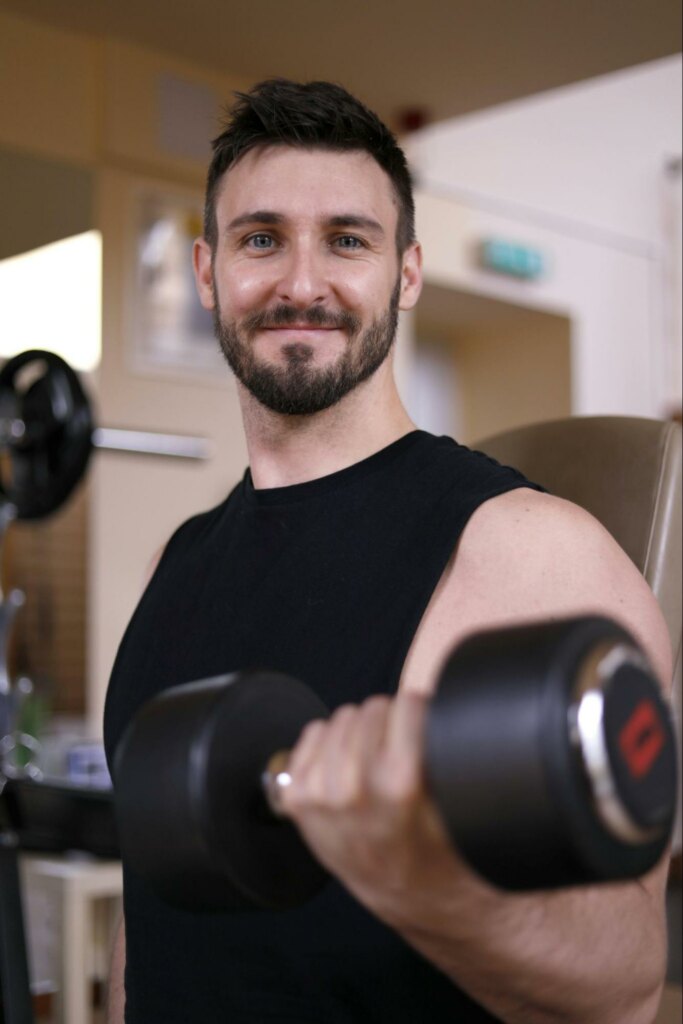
<point x="358" y="797"/>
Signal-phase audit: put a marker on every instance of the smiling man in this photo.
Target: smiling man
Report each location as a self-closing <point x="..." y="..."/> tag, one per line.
<point x="356" y="551"/>
<point x="298" y="356"/>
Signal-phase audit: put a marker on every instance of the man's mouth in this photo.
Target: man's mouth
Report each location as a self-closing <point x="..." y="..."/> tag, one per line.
<point x="302" y="328"/>
<point x="284" y="321"/>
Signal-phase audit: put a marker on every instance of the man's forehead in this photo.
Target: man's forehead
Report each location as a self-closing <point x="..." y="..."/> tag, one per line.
<point x="290" y="180"/>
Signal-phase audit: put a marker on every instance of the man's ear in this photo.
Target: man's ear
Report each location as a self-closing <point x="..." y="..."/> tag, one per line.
<point x="203" y="272"/>
<point x="411" y="276"/>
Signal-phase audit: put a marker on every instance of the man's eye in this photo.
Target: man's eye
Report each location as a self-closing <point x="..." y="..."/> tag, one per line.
<point x="260" y="241"/>
<point x="349" y="242"/>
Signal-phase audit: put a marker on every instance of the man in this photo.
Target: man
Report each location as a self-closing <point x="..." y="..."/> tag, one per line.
<point x="354" y="554"/>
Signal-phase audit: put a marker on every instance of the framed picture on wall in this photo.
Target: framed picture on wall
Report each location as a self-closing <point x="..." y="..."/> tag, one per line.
<point x="169" y="331"/>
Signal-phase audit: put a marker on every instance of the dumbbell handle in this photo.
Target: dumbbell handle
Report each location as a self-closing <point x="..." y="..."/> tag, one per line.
<point x="588" y="731"/>
<point x="591" y="732"/>
<point x="275" y="780"/>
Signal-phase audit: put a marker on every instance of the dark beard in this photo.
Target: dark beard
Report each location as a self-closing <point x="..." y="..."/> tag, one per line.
<point x="297" y="389"/>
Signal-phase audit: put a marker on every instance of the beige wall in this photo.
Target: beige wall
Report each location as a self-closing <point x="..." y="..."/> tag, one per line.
<point x="93" y="104"/>
<point x="502" y="379"/>
<point x="489" y="365"/>
<point x="137" y="500"/>
<point x="511" y="378"/>
<point x="50" y="82"/>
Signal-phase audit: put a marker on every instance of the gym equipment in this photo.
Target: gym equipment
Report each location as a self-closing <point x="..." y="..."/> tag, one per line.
<point x="47" y="434"/>
<point x="47" y="428"/>
<point x="549" y="752"/>
<point x="46" y="439"/>
<point x="192" y="813"/>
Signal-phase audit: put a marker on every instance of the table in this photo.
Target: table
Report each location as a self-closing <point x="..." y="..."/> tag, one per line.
<point x="71" y="906"/>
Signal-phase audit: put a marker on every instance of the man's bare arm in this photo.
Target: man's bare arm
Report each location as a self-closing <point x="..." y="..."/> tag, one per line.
<point x="584" y="956"/>
<point x="116" y="993"/>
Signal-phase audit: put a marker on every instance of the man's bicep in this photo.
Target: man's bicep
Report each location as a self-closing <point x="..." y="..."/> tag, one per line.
<point x="599" y="576"/>
<point x="530" y="556"/>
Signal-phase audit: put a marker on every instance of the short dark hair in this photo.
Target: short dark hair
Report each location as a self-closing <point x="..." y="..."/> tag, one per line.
<point x="309" y="115"/>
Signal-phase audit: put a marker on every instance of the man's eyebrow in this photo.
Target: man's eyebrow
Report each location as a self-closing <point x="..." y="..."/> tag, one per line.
<point x="355" y="220"/>
<point x="255" y="217"/>
<point x="340" y="220"/>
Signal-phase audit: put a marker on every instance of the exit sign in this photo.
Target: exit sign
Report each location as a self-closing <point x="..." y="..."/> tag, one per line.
<point x="519" y="261"/>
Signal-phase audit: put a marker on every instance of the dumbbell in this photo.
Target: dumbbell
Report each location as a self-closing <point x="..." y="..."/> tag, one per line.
<point x="549" y="753"/>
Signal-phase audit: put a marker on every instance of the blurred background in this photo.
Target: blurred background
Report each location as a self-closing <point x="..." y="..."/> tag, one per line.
<point x="545" y="142"/>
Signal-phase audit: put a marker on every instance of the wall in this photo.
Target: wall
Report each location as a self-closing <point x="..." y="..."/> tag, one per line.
<point x="42" y="201"/>
<point x="580" y="173"/>
<point x="606" y="293"/>
<point x="124" y="130"/>
<point x="506" y="365"/>
<point x="590" y="154"/>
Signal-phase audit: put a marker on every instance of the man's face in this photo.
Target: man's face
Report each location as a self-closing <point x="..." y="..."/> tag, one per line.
<point x="306" y="283"/>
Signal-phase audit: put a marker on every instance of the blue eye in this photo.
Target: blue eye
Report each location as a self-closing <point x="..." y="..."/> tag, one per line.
<point x="349" y="242"/>
<point x="260" y="241"/>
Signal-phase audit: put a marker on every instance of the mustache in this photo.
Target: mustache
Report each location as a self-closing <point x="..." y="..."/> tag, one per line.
<point x="314" y="316"/>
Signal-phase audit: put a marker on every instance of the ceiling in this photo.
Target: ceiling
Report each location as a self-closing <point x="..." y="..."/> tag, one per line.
<point x="447" y="57"/>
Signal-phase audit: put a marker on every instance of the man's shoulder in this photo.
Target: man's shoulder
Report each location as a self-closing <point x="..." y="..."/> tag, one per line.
<point x="534" y="552"/>
<point x="524" y="523"/>
<point x="529" y="556"/>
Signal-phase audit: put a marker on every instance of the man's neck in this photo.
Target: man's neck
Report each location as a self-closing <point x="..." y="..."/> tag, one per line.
<point x="286" y="450"/>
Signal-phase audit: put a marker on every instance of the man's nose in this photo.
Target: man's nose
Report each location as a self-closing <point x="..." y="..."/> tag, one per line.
<point x="303" y="281"/>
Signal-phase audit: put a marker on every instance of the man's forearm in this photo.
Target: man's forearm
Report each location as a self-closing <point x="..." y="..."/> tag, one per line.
<point x="584" y="956"/>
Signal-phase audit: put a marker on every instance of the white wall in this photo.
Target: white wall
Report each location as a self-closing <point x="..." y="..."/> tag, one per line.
<point x="579" y="173"/>
<point x="591" y="153"/>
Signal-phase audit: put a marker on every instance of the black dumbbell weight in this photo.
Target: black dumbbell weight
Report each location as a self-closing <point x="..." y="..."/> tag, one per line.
<point x="549" y="752"/>
<point x="192" y="812"/>
<point x="552" y="756"/>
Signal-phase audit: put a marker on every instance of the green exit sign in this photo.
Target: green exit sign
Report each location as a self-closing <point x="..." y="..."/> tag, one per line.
<point x="509" y="258"/>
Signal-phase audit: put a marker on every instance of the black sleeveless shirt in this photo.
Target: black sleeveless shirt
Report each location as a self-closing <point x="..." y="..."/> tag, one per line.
<point x="326" y="581"/>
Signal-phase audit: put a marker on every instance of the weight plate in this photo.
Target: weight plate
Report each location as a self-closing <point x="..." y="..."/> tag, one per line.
<point x="505" y="771"/>
<point x="641" y="746"/>
<point x="47" y="454"/>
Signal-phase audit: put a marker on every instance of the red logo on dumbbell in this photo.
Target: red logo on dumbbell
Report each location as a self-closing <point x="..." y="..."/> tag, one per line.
<point x="641" y="739"/>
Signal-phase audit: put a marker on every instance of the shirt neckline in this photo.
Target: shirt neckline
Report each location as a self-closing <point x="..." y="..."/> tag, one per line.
<point x="332" y="481"/>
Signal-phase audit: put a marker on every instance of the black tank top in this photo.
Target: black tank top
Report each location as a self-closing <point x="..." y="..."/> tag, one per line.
<point x="326" y="581"/>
